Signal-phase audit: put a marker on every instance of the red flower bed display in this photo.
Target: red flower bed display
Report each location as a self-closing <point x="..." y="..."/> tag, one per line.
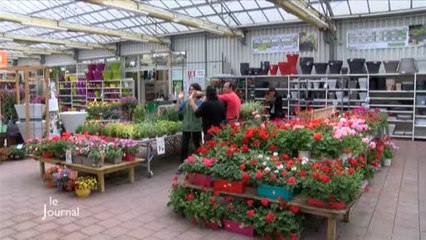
<point x="319" y="203"/>
<point x="199" y="179"/>
<point x="227" y="186"/>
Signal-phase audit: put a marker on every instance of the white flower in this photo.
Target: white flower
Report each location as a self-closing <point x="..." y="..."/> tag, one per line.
<point x="237" y="124"/>
<point x="264" y="163"/>
<point x="276" y="171"/>
<point x="267" y="169"/>
<point x="260" y="156"/>
<point x="305" y="160"/>
<point x="275" y="154"/>
<point x="280" y="167"/>
<point x="294" y="168"/>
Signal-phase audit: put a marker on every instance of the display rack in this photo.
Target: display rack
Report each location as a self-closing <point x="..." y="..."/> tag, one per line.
<point x="76" y="94"/>
<point x="404" y="99"/>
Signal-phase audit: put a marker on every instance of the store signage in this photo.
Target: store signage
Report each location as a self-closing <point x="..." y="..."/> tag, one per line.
<point x="276" y="43"/>
<point x="161" y="147"/>
<point x="3" y="59"/>
<point x="378" y="38"/>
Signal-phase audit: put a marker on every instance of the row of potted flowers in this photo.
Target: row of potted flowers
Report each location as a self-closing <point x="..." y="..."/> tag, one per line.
<point x="85" y="149"/>
<point x="270" y="220"/>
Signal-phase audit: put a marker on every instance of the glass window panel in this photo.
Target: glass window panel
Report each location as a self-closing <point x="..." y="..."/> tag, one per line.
<point x="419" y="3"/>
<point x="273" y="15"/>
<point x="358" y="6"/>
<point x="243" y="17"/>
<point x="206" y="10"/>
<point x="265" y="4"/>
<point x="193" y="12"/>
<point x="169" y="27"/>
<point x="340" y="8"/>
<point x="215" y="19"/>
<point x="258" y="16"/>
<point x="185" y="3"/>
<point x="116" y="13"/>
<point x="234" y="5"/>
<point x="181" y="28"/>
<point x="399" y="4"/>
<point x="286" y="15"/>
<point x="378" y="6"/>
<point x="158" y="3"/>
<point x="249" y="5"/>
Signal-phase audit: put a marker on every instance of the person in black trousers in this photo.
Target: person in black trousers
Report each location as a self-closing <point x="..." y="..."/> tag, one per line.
<point x="275" y="105"/>
<point x="212" y="111"/>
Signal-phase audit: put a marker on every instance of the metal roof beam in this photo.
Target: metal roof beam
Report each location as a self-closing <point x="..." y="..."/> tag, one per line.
<point x="74" y="27"/>
<point x="159" y="13"/>
<point x="68" y="43"/>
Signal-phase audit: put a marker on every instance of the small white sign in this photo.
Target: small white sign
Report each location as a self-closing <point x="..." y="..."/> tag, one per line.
<point x="68" y="156"/>
<point x="161" y="147"/>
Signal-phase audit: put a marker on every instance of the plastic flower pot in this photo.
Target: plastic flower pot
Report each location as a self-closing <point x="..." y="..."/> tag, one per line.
<point x="228" y="186"/>
<point x="82" y="193"/>
<point x="292" y="60"/>
<point x="316" y="202"/>
<point x="362" y="83"/>
<point x="273" y="69"/>
<point x="373" y="67"/>
<point x="89" y="75"/>
<point x="407" y="66"/>
<point x="115" y="66"/>
<point x="236" y="227"/>
<point x="129" y="157"/>
<point x="306" y="64"/>
<point x="320" y="68"/>
<point x="284" y="68"/>
<point x="332" y="83"/>
<point x="199" y="179"/>
<point x="335" y="66"/>
<point x="391" y="66"/>
<point x="91" y="67"/>
<point x="97" y="75"/>
<point x="72" y="120"/>
<point x="206" y="224"/>
<point x="274" y="192"/>
<point x="107" y="75"/>
<point x="36" y="111"/>
<point x="244" y="68"/>
<point x="100" y="66"/>
<point x="47" y="154"/>
<point x="356" y="65"/>
<point x="264" y="68"/>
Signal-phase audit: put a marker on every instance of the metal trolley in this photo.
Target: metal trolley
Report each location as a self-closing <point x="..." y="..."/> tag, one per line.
<point x="148" y="149"/>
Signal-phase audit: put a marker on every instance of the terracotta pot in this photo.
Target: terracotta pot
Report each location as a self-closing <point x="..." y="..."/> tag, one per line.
<point x="82" y="193"/>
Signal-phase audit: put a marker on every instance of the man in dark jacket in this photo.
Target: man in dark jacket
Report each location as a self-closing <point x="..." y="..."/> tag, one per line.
<point x="275" y="105"/>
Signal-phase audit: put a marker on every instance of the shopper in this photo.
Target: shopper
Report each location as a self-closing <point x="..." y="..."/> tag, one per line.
<point x="212" y="111"/>
<point x="275" y="105"/>
<point x="191" y="125"/>
<point x="232" y="101"/>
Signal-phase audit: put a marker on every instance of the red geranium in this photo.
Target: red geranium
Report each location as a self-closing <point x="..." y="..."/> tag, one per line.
<point x="324" y="178"/>
<point x="317" y="136"/>
<point x="265" y="202"/>
<point x="270" y="217"/>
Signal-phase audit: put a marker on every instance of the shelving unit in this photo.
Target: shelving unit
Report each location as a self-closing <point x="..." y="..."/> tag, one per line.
<point x="78" y="93"/>
<point x="406" y="106"/>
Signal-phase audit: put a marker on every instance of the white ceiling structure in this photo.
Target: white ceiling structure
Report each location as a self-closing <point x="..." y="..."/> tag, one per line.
<point x="96" y="23"/>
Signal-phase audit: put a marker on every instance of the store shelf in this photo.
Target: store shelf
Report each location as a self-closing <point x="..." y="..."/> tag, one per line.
<point x="401" y="121"/>
<point x="392" y="98"/>
<point x="402" y="136"/>
<point x="386" y="91"/>
<point x="391" y="105"/>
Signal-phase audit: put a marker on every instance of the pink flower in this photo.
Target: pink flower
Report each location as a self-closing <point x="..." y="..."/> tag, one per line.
<point x="365" y="140"/>
<point x="208" y="162"/>
<point x="372" y="145"/>
<point x="191" y="159"/>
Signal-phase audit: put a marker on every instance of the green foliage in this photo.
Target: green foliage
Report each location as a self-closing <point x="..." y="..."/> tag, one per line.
<point x="177" y="199"/>
<point x="112" y="152"/>
<point x="387" y="153"/>
<point x="15" y="153"/>
<point x="170" y="114"/>
<point x="8" y="99"/>
<point x="139" y="114"/>
<point x="194" y="164"/>
<point x="204" y="208"/>
<point x="248" y="108"/>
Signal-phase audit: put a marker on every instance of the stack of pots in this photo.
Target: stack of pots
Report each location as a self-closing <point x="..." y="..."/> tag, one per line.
<point x="264" y="68"/>
<point x="320" y="68"/>
<point x="115" y="69"/>
<point x="373" y="66"/>
<point x="89" y="73"/>
<point x="244" y="68"/>
<point x="306" y="64"/>
<point x="390" y="67"/>
<point x="407" y="66"/>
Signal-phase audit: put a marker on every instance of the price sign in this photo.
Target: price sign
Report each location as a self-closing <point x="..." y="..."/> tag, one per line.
<point x="68" y="156"/>
<point x="161" y="147"/>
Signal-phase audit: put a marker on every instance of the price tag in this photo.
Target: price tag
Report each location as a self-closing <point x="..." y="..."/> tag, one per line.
<point x="19" y="146"/>
<point x="68" y="156"/>
<point x="161" y="148"/>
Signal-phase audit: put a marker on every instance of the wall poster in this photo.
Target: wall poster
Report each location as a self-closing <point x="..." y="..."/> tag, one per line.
<point x="417" y="35"/>
<point x="377" y="38"/>
<point x="276" y="43"/>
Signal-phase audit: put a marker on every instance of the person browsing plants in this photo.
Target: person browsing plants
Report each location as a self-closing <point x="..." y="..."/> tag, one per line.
<point x="232" y="101"/>
<point x="191" y="125"/>
<point x="212" y="111"/>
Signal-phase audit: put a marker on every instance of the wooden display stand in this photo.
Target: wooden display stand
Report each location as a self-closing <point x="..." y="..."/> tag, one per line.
<point x="27" y="70"/>
<point x="100" y="172"/>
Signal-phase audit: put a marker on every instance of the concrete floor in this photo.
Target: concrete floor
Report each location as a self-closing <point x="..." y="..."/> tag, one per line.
<point x="394" y="208"/>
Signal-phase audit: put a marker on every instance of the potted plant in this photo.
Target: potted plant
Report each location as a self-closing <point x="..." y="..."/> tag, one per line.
<point x="130" y="148"/>
<point x="48" y="177"/>
<point x="238" y="217"/>
<point x="113" y="154"/>
<point x="128" y="105"/>
<point x="205" y="209"/>
<point x="64" y="179"/>
<point x="96" y="157"/>
<point x="250" y="109"/>
<point x="330" y="185"/>
<point x="198" y="170"/>
<point x="17" y="153"/>
<point x="228" y="176"/>
<point x="84" y="186"/>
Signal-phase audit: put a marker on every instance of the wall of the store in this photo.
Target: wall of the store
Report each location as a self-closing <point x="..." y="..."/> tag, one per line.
<point x="59" y="60"/>
<point x="95" y="54"/>
<point x="25" y="61"/>
<point x="342" y="52"/>
<point x="139" y="48"/>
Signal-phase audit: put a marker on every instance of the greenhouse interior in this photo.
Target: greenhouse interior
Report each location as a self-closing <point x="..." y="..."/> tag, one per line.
<point x="212" y="119"/>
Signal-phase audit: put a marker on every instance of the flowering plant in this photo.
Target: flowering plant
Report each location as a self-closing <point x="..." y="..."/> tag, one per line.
<point x="129" y="146"/>
<point x="112" y="151"/>
<point x="204" y="208"/>
<point x="276" y="220"/>
<point x="86" y="183"/>
<point x="197" y="164"/>
<point x="65" y="179"/>
<point x="50" y="173"/>
<point x="177" y="199"/>
<point x="331" y="182"/>
<point x="128" y="105"/>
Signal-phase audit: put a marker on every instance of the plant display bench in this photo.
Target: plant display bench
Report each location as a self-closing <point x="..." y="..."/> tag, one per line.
<point x="100" y="172"/>
<point x="300" y="201"/>
<point x="171" y="143"/>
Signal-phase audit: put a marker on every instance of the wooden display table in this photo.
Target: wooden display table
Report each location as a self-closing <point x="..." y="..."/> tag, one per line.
<point x="300" y="201"/>
<point x="100" y="172"/>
